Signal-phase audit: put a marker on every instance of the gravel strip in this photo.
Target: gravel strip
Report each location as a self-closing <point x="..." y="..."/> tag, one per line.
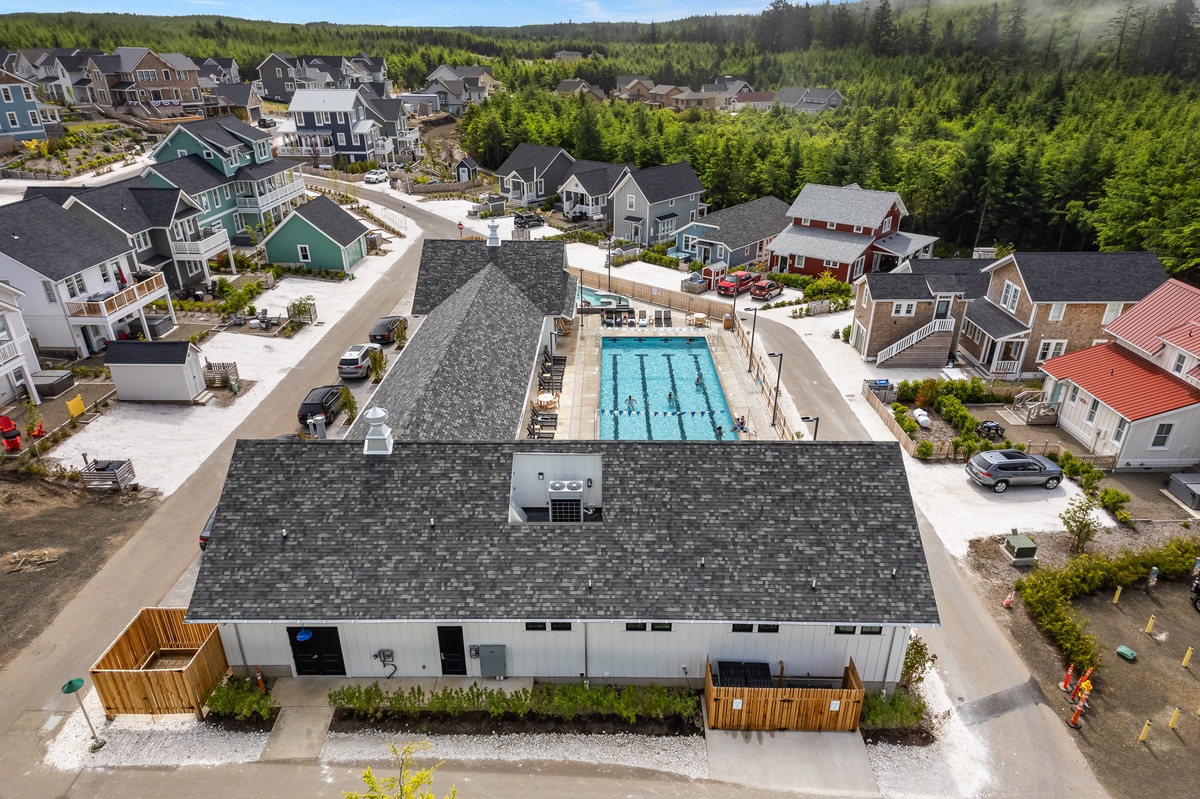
<point x="146" y="741"/>
<point x="685" y="756"/>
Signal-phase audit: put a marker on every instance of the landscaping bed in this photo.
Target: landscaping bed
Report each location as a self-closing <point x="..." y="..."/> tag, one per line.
<point x="233" y="724"/>
<point x="481" y="722"/>
<point x="80" y="149"/>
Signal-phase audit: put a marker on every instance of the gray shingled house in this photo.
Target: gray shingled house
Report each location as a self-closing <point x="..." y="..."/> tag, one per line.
<point x="533" y="172"/>
<point x="563" y="559"/>
<point x="649" y="205"/>
<point x="468" y="371"/>
<point x="588" y="187"/>
<point x="733" y="236"/>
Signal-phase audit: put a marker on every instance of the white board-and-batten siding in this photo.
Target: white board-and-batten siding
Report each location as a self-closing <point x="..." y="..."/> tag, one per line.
<point x="597" y="649"/>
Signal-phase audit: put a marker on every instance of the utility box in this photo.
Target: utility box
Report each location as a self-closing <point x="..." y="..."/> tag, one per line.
<point x="1020" y="550"/>
<point x="1186" y="488"/>
<point x="492" y="660"/>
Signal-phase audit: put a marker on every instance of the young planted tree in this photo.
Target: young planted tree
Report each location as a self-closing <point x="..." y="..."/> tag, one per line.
<point x="412" y="783"/>
<point x="1080" y="520"/>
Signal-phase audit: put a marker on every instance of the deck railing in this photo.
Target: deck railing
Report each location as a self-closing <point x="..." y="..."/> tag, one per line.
<point x="936" y="326"/>
<point x="121" y="300"/>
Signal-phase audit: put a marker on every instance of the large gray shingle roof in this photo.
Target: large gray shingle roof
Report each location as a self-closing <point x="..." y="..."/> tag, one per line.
<point x="51" y="240"/>
<point x="225" y="132"/>
<point x="332" y="220"/>
<point x="898" y="286"/>
<point x="359" y="545"/>
<point x="665" y="182"/>
<point x="191" y="173"/>
<point x="596" y="177"/>
<point x="967" y="272"/>
<point x="145" y="353"/>
<point x="1090" y="276"/>
<point x="847" y="205"/>
<point x="529" y="157"/>
<point x="535" y="267"/>
<point x="747" y="223"/>
<point x="133" y="206"/>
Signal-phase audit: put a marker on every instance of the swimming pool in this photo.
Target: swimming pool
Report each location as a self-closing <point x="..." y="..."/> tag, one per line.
<point x="600" y="299"/>
<point x="676" y="393"/>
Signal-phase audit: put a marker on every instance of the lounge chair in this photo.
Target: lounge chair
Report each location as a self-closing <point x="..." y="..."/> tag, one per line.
<point x="533" y="432"/>
<point x="559" y="359"/>
<point x="658" y="318"/>
<point x="642" y="318"/>
<point x="542" y="421"/>
<point x="667" y="319"/>
<point x="608" y="319"/>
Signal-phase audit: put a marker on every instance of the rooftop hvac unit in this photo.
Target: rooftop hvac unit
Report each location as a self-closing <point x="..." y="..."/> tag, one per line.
<point x="558" y="485"/>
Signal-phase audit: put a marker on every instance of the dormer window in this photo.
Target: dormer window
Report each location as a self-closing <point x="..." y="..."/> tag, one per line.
<point x="831" y="225"/>
<point x="805" y="221"/>
<point x="887" y="224"/>
<point x="1010" y="296"/>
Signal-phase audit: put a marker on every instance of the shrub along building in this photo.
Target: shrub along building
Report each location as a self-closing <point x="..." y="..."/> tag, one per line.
<point x="563" y="559"/>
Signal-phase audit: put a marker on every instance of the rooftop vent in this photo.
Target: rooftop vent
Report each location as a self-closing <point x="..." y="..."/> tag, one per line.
<point x="493" y="239"/>
<point x="378" y="440"/>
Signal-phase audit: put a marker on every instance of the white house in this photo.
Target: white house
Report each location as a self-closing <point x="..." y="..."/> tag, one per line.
<point x="77" y="276"/>
<point x="155" y="371"/>
<point x="18" y="361"/>
<point x="602" y="560"/>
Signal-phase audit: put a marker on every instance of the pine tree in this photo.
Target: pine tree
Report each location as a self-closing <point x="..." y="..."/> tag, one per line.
<point x="883" y="30"/>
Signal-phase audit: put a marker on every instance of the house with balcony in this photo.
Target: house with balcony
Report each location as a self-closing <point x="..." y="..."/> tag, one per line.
<point x="78" y="276"/>
<point x="533" y="172"/>
<point x="759" y="101"/>
<point x="662" y="95"/>
<point x="226" y="167"/>
<point x="480" y="74"/>
<point x="847" y="231"/>
<point x="20" y="110"/>
<point x="60" y="73"/>
<point x="732" y="236"/>
<point x="726" y="88"/>
<point x="588" y="189"/>
<point x="455" y="94"/>
<point x="219" y="70"/>
<point x="1040" y="305"/>
<point x="18" y="361"/>
<point x="347" y="124"/>
<point x="283" y="74"/>
<point x="649" y="205"/>
<point x="153" y="85"/>
<point x="633" y="88"/>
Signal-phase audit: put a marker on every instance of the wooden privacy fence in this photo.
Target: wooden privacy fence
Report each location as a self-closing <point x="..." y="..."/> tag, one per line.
<point x="785" y="708"/>
<point x="219" y="374"/>
<point x="714" y="309"/>
<point x="159" y="665"/>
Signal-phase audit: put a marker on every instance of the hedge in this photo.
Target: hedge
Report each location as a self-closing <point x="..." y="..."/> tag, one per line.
<point x="1048" y="592"/>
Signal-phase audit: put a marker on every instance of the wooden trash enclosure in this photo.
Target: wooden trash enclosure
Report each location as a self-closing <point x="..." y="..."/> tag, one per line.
<point x="104" y="475"/>
<point x="159" y="665"/>
<point x="785" y="708"/>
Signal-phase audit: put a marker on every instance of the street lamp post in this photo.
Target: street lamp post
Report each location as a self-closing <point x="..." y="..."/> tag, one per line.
<point x="816" y="423"/>
<point x="580" y="312"/>
<point x="73" y="687"/>
<point x="779" y="374"/>
<point x="753" y="327"/>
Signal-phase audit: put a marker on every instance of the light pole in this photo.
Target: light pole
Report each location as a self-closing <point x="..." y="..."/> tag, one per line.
<point x="608" y="262"/>
<point x="816" y="423"/>
<point x="580" y="313"/>
<point x="753" y="327"/>
<point x="73" y="687"/>
<point x="779" y="374"/>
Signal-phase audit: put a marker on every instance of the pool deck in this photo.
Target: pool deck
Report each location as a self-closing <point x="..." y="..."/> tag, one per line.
<point x="578" y="411"/>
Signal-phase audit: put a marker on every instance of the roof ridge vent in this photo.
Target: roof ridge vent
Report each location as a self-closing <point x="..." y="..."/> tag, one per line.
<point x="378" y="440"/>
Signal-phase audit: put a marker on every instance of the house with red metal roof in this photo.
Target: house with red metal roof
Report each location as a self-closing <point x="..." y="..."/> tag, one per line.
<point x="1136" y="397"/>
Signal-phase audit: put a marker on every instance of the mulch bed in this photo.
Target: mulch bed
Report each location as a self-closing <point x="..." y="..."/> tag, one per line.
<point x="230" y="724"/>
<point x="919" y="736"/>
<point x="483" y="723"/>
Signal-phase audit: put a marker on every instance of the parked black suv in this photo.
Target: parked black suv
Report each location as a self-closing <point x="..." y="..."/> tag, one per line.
<point x="527" y="219"/>
<point x="266" y="122"/>
<point x="326" y="400"/>
<point x="384" y="329"/>
<point x="1196" y="592"/>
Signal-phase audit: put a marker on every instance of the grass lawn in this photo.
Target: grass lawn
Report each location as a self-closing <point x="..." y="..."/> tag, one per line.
<point x="273" y="108"/>
<point x="90" y="127"/>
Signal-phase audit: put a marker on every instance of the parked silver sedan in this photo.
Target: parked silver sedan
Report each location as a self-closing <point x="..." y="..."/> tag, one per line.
<point x="1000" y="468"/>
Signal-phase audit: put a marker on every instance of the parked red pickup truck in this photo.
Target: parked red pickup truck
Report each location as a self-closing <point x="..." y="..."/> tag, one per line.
<point x="734" y="283"/>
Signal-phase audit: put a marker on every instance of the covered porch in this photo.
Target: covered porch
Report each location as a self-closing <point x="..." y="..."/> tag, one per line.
<point x="994" y="341"/>
<point x="110" y="315"/>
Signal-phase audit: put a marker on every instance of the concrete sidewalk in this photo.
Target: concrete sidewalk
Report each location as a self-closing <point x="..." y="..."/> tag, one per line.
<point x="814" y="763"/>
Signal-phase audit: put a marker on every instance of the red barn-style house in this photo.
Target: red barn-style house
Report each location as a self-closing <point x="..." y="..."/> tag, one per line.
<point x="847" y="230"/>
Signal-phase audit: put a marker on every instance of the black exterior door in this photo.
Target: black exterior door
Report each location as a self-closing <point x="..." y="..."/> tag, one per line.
<point x="454" y="656"/>
<point x="320" y="654"/>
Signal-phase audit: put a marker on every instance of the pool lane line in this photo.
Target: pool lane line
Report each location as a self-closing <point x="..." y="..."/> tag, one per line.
<point x="712" y="412"/>
<point x="616" y="400"/>
<point x="641" y="356"/>
<point x="675" y="395"/>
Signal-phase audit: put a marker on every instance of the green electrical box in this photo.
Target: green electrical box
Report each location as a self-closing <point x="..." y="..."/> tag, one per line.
<point x="1020" y="550"/>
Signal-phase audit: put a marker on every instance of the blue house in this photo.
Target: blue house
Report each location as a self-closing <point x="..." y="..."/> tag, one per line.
<point x="20" y="115"/>
<point x="349" y="124"/>
<point x="733" y="236"/>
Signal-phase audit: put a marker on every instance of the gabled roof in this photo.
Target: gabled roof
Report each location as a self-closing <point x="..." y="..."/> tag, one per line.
<point x="59" y="194"/>
<point x="754" y="97"/>
<point x="179" y="61"/>
<point x="994" y="320"/>
<point x="967" y="272"/>
<point x="745" y="224"/>
<point x="10" y="78"/>
<point x="387" y="109"/>
<point x="1171" y="305"/>
<point x="789" y="95"/>
<point x="890" y="286"/>
<point x="828" y="245"/>
<point x="465" y="373"/>
<point x="597" y="178"/>
<point x="904" y="244"/>
<point x="468" y="162"/>
<point x="535" y="267"/>
<point x="236" y="94"/>
<point x="224" y="132"/>
<point x="323" y="100"/>
<point x="265" y="170"/>
<point x="54" y="242"/>
<point x="846" y="205"/>
<point x="190" y="173"/>
<point x="331" y="219"/>
<point x="132" y="206"/>
<point x="528" y="158"/>
<point x="1088" y="276"/>
<point x="1132" y="386"/>
<point x="659" y="183"/>
<point x="570" y="85"/>
<point x="143" y="353"/>
<point x="1186" y="337"/>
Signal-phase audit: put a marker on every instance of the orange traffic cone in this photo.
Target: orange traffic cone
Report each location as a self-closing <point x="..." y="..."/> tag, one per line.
<point x="261" y="688"/>
<point x="1008" y="600"/>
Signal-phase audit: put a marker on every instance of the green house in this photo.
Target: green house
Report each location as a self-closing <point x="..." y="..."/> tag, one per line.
<point x="319" y="235"/>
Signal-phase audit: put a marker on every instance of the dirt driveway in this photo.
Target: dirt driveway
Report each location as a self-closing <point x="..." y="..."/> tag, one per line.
<point x="53" y="538"/>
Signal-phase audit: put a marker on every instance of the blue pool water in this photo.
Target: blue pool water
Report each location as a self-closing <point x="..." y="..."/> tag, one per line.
<point x="648" y="370"/>
<point x="597" y="298"/>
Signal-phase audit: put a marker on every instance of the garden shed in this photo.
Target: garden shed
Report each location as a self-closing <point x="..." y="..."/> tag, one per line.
<point x="320" y="234"/>
<point x="466" y="169"/>
<point x="159" y="665"/>
<point x="155" y="371"/>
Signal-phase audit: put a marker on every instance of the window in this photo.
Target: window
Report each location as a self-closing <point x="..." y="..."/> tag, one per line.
<point x="541" y="188"/>
<point x="1095" y="406"/>
<point x="28" y="92"/>
<point x="691" y="216"/>
<point x="1074" y="393"/>
<point x="532" y="626"/>
<point x="195" y="93"/>
<point x="181" y="153"/>
<point x="146" y="74"/>
<point x="34" y="120"/>
<point x="635" y="627"/>
<point x="831" y="225"/>
<point x="204" y="201"/>
<point x="1050" y="348"/>
<point x="1111" y="311"/>
<point x="1162" y="436"/>
<point x="805" y="221"/>
<point x="193" y="268"/>
<point x="180" y="75"/>
<point x="208" y="154"/>
<point x="342" y="139"/>
<point x="323" y="118"/>
<point x="12" y="120"/>
<point x="1180" y="360"/>
<point x="768" y="628"/>
<point x="743" y="628"/>
<point x="6" y="94"/>
<point x="971" y="331"/>
<point x="629" y="202"/>
<point x="303" y="254"/>
<point x="105" y="275"/>
<point x="166" y="74"/>
<point x="904" y="308"/>
<point x="51" y="295"/>
<point x="141" y="241"/>
<point x="660" y="627"/>
<point x="354" y="138"/>
<point x="1057" y="310"/>
<point x="858" y="228"/>
<point x="858" y="266"/>
<point x="560" y="626"/>
<point x="844" y="629"/>
<point x="288" y="86"/>
<point x="226" y="191"/>
<point x="279" y="72"/>
<point x="341" y="117"/>
<point x="1010" y="296"/>
<point x="831" y="264"/>
<point x="1119" y="430"/>
<point x="76" y="286"/>
<point x="887" y="224"/>
<point x="667" y="226"/>
<point x="870" y="629"/>
<point x="671" y="203"/>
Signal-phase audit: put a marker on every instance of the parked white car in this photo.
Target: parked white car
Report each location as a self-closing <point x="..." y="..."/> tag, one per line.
<point x="375" y="176"/>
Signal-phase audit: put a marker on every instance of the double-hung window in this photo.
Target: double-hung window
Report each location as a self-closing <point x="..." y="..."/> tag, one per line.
<point x="1009" y="297"/>
<point x="1092" y="408"/>
<point x="1162" y="436"/>
<point x="51" y="294"/>
<point x="302" y="253"/>
<point x="904" y="308"/>
<point x="1119" y="430"/>
<point x="1180" y="361"/>
<point x="629" y="202"/>
<point x="1111" y="311"/>
<point x="1057" y="310"/>
<point x="1051" y="348"/>
<point x="5" y="94"/>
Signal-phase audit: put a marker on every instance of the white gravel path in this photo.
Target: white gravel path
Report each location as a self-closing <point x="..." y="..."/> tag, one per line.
<point x="685" y="756"/>
<point x="143" y="741"/>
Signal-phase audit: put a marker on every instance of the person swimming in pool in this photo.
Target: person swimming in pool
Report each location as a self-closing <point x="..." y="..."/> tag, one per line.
<point x="670" y="399"/>
<point x="630" y="403"/>
<point x="699" y="381"/>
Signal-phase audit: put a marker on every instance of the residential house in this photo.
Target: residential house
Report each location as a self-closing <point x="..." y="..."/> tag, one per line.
<point x="691" y="99"/>
<point x="808" y="101"/>
<point x="490" y="311"/>
<point x="283" y="74"/>
<point x="732" y="236"/>
<point x="588" y="188"/>
<point x="726" y="89"/>
<point x="845" y="230"/>
<point x="475" y="73"/>
<point x="533" y="172"/>
<point x="543" y="562"/>
<point x="8" y="59"/>
<point x="350" y="124"/>
<point x="660" y="95"/>
<point x="466" y="169"/>
<point x="759" y="101"/>
<point x="18" y="361"/>
<point x="458" y="87"/>
<point x="156" y="371"/>
<point x="219" y="70"/>
<point x="55" y="72"/>
<point x="20" y="112"/>
<point x="913" y="316"/>
<point x="572" y="86"/>
<point x="1137" y="396"/>
<point x="568" y="55"/>
<point x="375" y="68"/>
<point x="153" y="85"/>
<point x="77" y="276"/>
<point x="320" y="235"/>
<point x="633" y="88"/>
<point x="226" y="168"/>
<point x="649" y="204"/>
<point x="239" y="99"/>
<point x="1042" y="305"/>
